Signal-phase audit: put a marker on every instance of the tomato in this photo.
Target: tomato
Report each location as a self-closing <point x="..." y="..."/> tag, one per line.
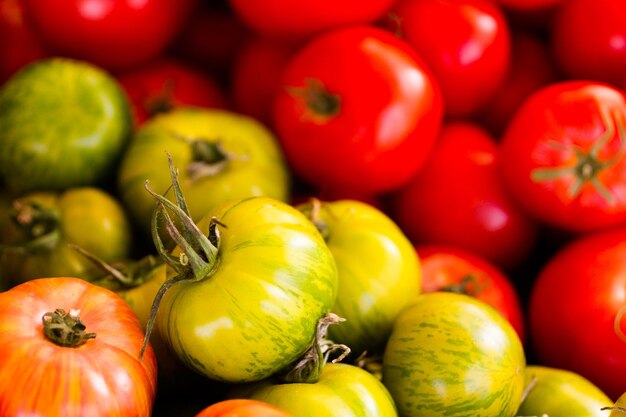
<point x="64" y="123"/>
<point x="472" y="210"/>
<point x="288" y="20"/>
<point x="619" y="409"/>
<point x="455" y="270"/>
<point x="562" y="156"/>
<point x="561" y="393"/>
<point x="252" y="279"/>
<point x="341" y="136"/>
<point x="379" y="271"/>
<point x="161" y="85"/>
<point x="111" y="34"/>
<point x="455" y="355"/>
<point x="531" y="5"/>
<point x="588" y="39"/>
<point x="38" y="226"/>
<point x="222" y="156"/>
<point x="466" y="43"/>
<point x="71" y="348"/>
<point x="576" y="310"/>
<point x="242" y="408"/>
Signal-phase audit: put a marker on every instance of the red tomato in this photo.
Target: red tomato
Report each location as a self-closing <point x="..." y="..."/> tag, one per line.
<point x="532" y="68"/>
<point x="576" y="308"/>
<point x="161" y="85"/>
<point x="562" y="155"/>
<point x="242" y="408"/>
<point x="356" y="110"/>
<point x="465" y="43"/>
<point x="289" y="19"/>
<point x="83" y="361"/>
<point x="112" y="34"/>
<point x="530" y="5"/>
<point x="459" y="200"/>
<point x="589" y="39"/>
<point x="445" y="268"/>
<point x="19" y="45"/>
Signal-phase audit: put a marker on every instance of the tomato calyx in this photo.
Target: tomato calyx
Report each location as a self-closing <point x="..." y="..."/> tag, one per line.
<point x="312" y="211"/>
<point x="65" y="328"/>
<point x="321" y="104"/>
<point x="469" y="285"/>
<point x="163" y="101"/>
<point x="308" y="368"/>
<point x="588" y="165"/>
<point x="38" y="224"/>
<point x="372" y="364"/>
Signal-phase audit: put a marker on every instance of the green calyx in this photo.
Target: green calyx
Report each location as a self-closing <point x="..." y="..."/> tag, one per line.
<point x="65" y="329"/>
<point x="312" y="211"/>
<point x="38" y="224"/>
<point x="318" y="100"/>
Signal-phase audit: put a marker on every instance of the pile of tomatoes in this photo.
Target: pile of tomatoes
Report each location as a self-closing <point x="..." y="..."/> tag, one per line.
<point x="361" y="208"/>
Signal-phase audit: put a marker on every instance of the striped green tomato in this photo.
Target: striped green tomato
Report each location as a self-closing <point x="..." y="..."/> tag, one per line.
<point x="453" y="355"/>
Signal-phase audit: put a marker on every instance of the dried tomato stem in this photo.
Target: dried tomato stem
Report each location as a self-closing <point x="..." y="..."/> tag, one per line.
<point x="65" y="329"/>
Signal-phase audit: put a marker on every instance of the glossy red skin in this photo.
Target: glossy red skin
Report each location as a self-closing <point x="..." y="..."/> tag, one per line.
<point x="530" y="5"/>
<point x="19" y="44"/>
<point x="589" y="39"/>
<point x="303" y="19"/>
<point x="466" y="43"/>
<point x="170" y="80"/>
<point x="445" y="266"/>
<point x="111" y="34"/>
<point x="458" y="199"/>
<point x="256" y="75"/>
<point x="532" y="67"/>
<point x="242" y="408"/>
<point x="573" y="308"/>
<point x="543" y="134"/>
<point x="389" y="116"/>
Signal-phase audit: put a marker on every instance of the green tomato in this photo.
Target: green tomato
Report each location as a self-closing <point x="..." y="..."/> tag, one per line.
<point x="64" y="123"/>
<point x="561" y="393"/>
<point x="253" y="307"/>
<point x="379" y="271"/>
<point x="36" y="229"/>
<point x="341" y="391"/>
<point x="221" y="156"/>
<point x="451" y="354"/>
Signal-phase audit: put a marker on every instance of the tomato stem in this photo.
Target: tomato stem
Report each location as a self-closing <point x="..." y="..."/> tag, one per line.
<point x="313" y="209"/>
<point x="620" y="409"/>
<point x="318" y="100"/>
<point x="65" y="329"/>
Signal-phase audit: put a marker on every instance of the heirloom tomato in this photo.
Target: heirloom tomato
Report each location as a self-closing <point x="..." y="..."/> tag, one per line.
<point x="619" y="408"/>
<point x="37" y="228"/>
<point x="562" y="156"/>
<point x="222" y="156"/>
<point x="64" y="123"/>
<point x="357" y="111"/>
<point x="242" y="408"/>
<point x="451" y="354"/>
<point x="71" y="348"/>
<point x="378" y="269"/>
<point x="560" y="393"/>
<point x="251" y="281"/>
<point x="576" y="310"/>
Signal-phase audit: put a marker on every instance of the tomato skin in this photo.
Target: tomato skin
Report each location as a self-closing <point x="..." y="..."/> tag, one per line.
<point x="466" y="44"/>
<point x="102" y="377"/>
<point x="110" y="34"/>
<point x="445" y="267"/>
<point x="561" y="162"/>
<point x="379" y="271"/>
<point x="381" y="135"/>
<point x="257" y="311"/>
<point x="574" y="305"/>
<point x="480" y="216"/>
<point x="242" y="408"/>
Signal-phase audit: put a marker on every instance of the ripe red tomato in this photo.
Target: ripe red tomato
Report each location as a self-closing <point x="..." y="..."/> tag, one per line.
<point x="458" y="199"/>
<point x="530" y="5"/>
<point x="161" y="85"/>
<point x="445" y="268"/>
<point x="562" y="155"/>
<point x="589" y="39"/>
<point x="576" y="308"/>
<point x="465" y="43"/>
<point x="302" y="19"/>
<point x="111" y="34"/>
<point x="242" y="408"/>
<point x="71" y="348"/>
<point x="356" y="110"/>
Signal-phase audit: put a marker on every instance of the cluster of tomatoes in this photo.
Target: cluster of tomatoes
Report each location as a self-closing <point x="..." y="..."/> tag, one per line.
<point x="432" y="191"/>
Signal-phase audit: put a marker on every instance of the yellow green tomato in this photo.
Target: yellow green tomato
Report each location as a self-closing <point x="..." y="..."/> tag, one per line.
<point x="37" y="228"/>
<point x="561" y="393"/>
<point x="379" y="271"/>
<point x="619" y="408"/>
<point x="453" y="355"/>
<point x="220" y="156"/>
